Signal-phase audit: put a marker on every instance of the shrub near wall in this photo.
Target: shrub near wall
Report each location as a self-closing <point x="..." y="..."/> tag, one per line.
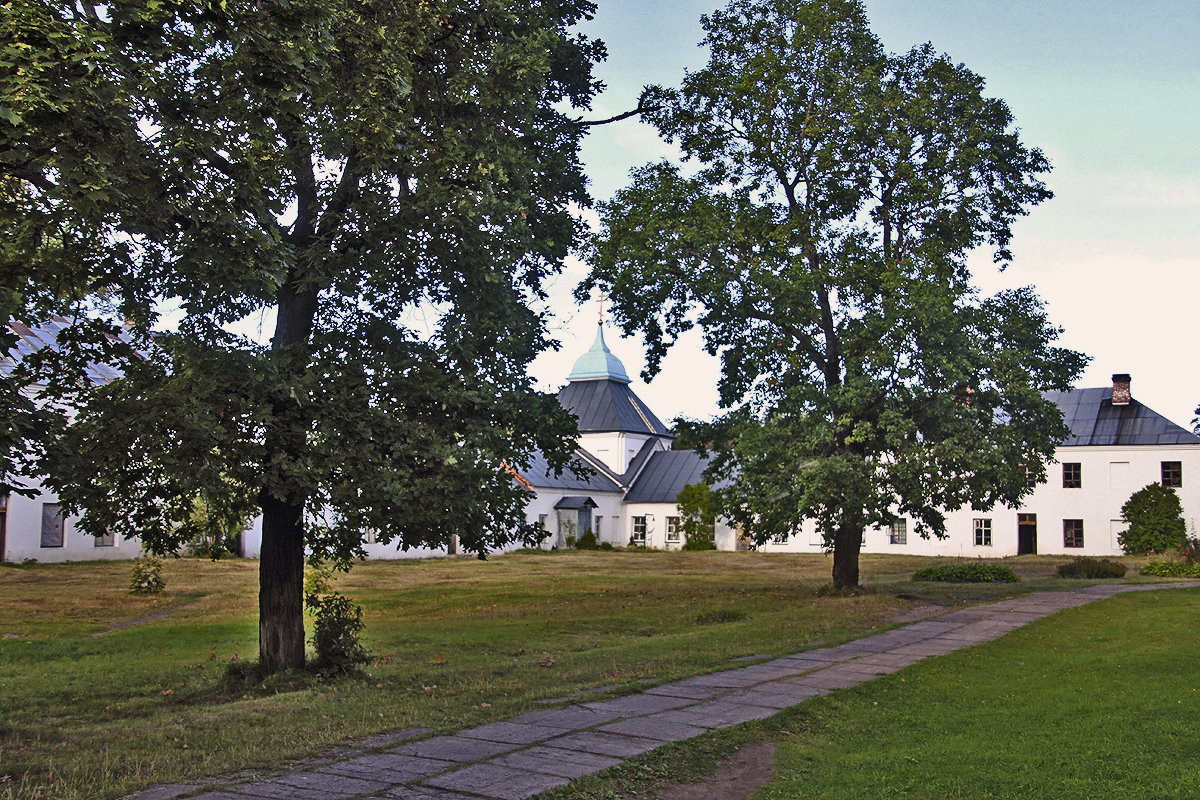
<point x="967" y="573"/>
<point x="1093" y="568"/>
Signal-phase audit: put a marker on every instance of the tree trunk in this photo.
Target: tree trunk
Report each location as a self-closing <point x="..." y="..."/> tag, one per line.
<point x="281" y="586"/>
<point x="846" y="545"/>
<point x="281" y="566"/>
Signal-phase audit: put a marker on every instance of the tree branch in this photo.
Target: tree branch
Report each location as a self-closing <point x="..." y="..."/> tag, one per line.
<point x="642" y="108"/>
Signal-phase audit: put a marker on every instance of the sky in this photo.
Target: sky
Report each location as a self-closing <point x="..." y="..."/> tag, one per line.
<point x="1108" y="90"/>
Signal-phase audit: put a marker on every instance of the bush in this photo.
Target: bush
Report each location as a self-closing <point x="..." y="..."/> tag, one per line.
<point x="147" y="575"/>
<point x="1155" y="519"/>
<point x="1174" y="568"/>
<point x="966" y="573"/>
<point x="337" y="624"/>
<point x="587" y="541"/>
<point x="569" y="540"/>
<point x="604" y="546"/>
<point x="1091" y="568"/>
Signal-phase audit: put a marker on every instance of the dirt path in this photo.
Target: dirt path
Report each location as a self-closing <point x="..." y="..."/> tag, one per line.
<point x="737" y="777"/>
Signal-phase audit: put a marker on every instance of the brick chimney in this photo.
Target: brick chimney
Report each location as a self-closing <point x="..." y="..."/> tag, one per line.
<point x="1121" y="395"/>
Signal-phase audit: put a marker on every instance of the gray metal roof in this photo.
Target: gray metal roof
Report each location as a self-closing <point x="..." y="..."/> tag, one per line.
<point x="665" y="474"/>
<point x="575" y="501"/>
<point x="32" y="338"/>
<point x="604" y="406"/>
<point x="542" y="477"/>
<point x="1095" y="421"/>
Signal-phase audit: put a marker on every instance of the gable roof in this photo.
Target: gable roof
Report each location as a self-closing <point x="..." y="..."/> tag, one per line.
<point x="665" y="474"/>
<point x="542" y="476"/>
<point x="605" y="406"/>
<point x="32" y="338"/>
<point x="1095" y="421"/>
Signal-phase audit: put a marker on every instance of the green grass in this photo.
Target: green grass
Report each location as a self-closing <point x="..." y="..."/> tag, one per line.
<point x="92" y="706"/>
<point x="1097" y="701"/>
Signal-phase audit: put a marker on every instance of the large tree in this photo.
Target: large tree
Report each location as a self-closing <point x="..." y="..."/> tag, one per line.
<point x="388" y="184"/>
<point x="820" y="240"/>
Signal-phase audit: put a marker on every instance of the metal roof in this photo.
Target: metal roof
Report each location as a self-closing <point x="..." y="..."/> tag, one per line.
<point x="542" y="477"/>
<point x="31" y="339"/>
<point x="575" y="501"/>
<point x="598" y="363"/>
<point x="665" y="474"/>
<point x="1095" y="421"/>
<point x="604" y="406"/>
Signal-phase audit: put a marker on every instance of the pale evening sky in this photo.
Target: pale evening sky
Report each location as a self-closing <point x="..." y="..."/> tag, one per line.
<point x="1108" y="90"/>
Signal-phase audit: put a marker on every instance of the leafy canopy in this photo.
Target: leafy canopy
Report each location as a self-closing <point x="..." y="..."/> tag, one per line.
<point x="390" y="182"/>
<point x="1154" y="516"/>
<point x="820" y="239"/>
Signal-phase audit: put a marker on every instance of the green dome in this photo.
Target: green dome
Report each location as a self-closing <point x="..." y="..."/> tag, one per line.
<point x="598" y="363"/>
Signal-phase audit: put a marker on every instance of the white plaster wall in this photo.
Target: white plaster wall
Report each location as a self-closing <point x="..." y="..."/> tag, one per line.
<point x="616" y="450"/>
<point x="656" y="529"/>
<point x="1097" y="502"/>
<point x="23" y="535"/>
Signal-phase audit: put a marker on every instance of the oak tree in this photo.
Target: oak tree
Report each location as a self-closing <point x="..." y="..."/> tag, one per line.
<point x="385" y="185"/>
<point x="819" y="237"/>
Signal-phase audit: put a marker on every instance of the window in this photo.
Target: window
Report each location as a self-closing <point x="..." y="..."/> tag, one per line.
<point x="542" y="518"/>
<point x="983" y="533"/>
<point x="370" y="536"/>
<point x="1072" y="476"/>
<point x="673" y="530"/>
<point x="639" y="530"/>
<point x="52" y="525"/>
<point x="1030" y="478"/>
<point x="1172" y="474"/>
<point x="898" y="533"/>
<point x="1072" y="533"/>
<point x="596" y="526"/>
<point x="109" y="539"/>
<point x="780" y="538"/>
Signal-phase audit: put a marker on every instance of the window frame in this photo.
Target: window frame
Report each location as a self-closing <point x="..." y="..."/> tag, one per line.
<point x="674" y="533"/>
<point x="1073" y="533"/>
<point x="59" y="530"/>
<point x="637" y="523"/>
<point x="1072" y="475"/>
<point x="898" y="532"/>
<point x="1171" y="474"/>
<point x="982" y="528"/>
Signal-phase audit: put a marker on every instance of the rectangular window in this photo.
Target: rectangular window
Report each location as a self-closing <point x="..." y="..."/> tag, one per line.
<point x="639" y="530"/>
<point x="109" y="539"/>
<point x="983" y="533"/>
<point x="898" y="533"/>
<point x="1172" y="474"/>
<point x="370" y="536"/>
<point x="1072" y="476"/>
<point x="596" y="526"/>
<point x="1072" y="533"/>
<point x="673" y="530"/>
<point x="53" y="525"/>
<point x="542" y="518"/>
<point x="1030" y="478"/>
<point x="780" y="538"/>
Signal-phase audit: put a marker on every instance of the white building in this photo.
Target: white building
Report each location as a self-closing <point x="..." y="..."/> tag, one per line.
<point x="1116" y="446"/>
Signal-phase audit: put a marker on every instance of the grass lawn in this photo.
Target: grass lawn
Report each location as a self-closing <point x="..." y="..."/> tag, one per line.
<point x="1094" y="702"/>
<point x="104" y="693"/>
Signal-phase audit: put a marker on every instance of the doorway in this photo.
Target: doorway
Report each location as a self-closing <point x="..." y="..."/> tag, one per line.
<point x="1026" y="534"/>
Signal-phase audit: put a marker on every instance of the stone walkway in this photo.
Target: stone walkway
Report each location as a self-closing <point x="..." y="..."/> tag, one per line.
<point x="535" y="752"/>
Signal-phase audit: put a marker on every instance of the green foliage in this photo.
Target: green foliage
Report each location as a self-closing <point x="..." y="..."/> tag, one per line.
<point x="716" y="616"/>
<point x="1178" y="567"/>
<point x="570" y="540"/>
<point x="587" y="541"/>
<point x="1096" y="568"/>
<point x="332" y="169"/>
<point x="969" y="572"/>
<point x="821" y="245"/>
<point x="337" y="623"/>
<point x="698" y="509"/>
<point x="607" y="546"/>
<point x="147" y="575"/>
<point x="1155" y="519"/>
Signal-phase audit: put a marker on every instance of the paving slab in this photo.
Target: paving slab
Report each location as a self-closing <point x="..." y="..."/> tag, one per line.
<point x="829" y="678"/>
<point x="511" y="732"/>
<point x="725" y="713"/>
<point x="394" y="737"/>
<point x="638" y="704"/>
<point x="207" y="796"/>
<point x="490" y="780"/>
<point x="557" y="761"/>
<point x="690" y="692"/>
<point x="459" y="749"/>
<point x="275" y="790"/>
<point x="654" y="727"/>
<point x="422" y="793"/>
<point x="388" y="767"/>
<point x="605" y="744"/>
<point x="574" y="718"/>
